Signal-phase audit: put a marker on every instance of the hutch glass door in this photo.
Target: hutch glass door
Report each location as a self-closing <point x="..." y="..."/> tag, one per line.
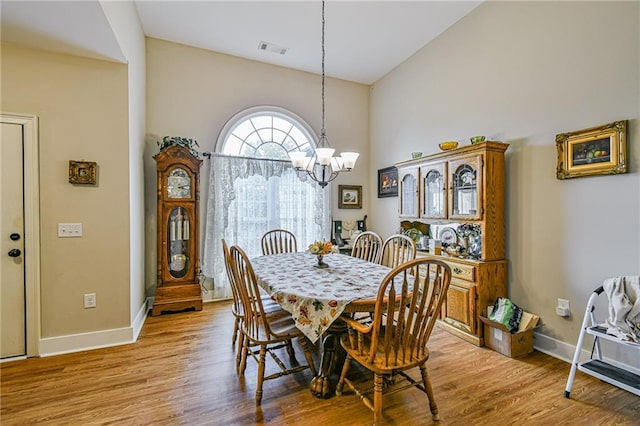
<point x="434" y="203"/>
<point x="409" y="193"/>
<point x="466" y="182"/>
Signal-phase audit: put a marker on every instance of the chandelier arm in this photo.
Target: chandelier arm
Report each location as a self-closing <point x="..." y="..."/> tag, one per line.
<point x="324" y="180"/>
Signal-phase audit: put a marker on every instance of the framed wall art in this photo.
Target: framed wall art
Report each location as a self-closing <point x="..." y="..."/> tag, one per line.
<point x="349" y="196"/>
<point x="596" y="151"/>
<point x="82" y="172"/>
<point x="388" y="182"/>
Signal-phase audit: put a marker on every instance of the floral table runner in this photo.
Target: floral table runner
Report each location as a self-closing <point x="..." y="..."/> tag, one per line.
<point x="316" y="297"/>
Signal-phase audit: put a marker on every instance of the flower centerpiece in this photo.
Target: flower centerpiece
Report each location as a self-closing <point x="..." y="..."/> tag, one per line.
<point x="320" y="249"/>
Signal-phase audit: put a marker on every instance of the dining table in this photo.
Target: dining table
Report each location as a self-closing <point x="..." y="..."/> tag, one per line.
<point x="317" y="296"/>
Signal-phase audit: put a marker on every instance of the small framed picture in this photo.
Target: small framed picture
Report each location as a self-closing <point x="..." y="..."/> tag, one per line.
<point x="596" y="151"/>
<point x="82" y="172"/>
<point x="388" y="182"/>
<point x="349" y="196"/>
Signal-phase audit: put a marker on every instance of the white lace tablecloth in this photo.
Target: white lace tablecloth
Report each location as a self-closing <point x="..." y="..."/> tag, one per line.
<point x="316" y="297"/>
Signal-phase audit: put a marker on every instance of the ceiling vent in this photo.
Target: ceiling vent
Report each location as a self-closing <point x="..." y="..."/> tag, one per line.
<point x="273" y="48"/>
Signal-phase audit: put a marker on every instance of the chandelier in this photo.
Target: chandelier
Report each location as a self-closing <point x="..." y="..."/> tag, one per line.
<point x="322" y="166"/>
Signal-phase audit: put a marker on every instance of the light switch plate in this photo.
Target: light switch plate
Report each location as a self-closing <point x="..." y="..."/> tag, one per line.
<point x="69" y="230"/>
<point x="90" y="300"/>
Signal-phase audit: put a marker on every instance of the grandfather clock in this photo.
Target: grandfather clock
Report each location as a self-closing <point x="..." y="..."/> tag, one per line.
<point x="178" y="287"/>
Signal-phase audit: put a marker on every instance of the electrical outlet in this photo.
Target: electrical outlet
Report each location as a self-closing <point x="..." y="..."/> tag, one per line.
<point x="90" y="300"/>
<point x="69" y="230"/>
<point x="562" y="308"/>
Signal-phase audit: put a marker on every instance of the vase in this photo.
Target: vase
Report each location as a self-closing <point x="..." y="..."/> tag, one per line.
<point x="321" y="263"/>
<point x="464" y="242"/>
<point x="475" y="247"/>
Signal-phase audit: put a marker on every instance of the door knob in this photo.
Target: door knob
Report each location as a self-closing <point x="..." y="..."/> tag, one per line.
<point x="14" y="253"/>
<point x="14" y="237"/>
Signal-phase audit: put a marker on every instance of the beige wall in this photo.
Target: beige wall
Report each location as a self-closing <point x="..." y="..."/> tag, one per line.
<point x="82" y="110"/>
<point x="522" y="72"/>
<point x="192" y="93"/>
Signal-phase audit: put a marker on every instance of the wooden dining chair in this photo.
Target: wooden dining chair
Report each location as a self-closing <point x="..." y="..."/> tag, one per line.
<point x="279" y="241"/>
<point x="396" y="340"/>
<point x="270" y="307"/>
<point x="367" y="246"/>
<point x="396" y="250"/>
<point x="263" y="331"/>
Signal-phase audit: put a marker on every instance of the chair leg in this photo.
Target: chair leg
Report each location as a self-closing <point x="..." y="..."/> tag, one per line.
<point x="261" y="368"/>
<point x="427" y="385"/>
<point x="243" y="357"/>
<point x="236" y="329"/>
<point x="239" y="352"/>
<point x="307" y="354"/>
<point x="343" y="374"/>
<point x="291" y="352"/>
<point x="377" y="399"/>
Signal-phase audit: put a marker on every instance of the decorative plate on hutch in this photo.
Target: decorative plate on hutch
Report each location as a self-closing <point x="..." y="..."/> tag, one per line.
<point x="448" y="235"/>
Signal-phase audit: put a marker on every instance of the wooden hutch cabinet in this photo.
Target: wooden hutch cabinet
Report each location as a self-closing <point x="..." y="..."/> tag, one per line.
<point x="178" y="286"/>
<point x="463" y="186"/>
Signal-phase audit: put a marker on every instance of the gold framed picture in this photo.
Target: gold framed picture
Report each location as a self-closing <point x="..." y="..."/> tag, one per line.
<point x="349" y="196"/>
<point x="82" y="172"/>
<point x="599" y="150"/>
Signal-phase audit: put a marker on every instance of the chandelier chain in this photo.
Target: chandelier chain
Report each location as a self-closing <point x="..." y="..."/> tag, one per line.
<point x="322" y="130"/>
<point x="322" y="166"/>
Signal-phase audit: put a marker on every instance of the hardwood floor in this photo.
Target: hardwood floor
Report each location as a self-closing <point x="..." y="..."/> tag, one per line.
<point x="181" y="372"/>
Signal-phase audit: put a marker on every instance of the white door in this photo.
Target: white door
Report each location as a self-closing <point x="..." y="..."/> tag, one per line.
<point x="12" y="284"/>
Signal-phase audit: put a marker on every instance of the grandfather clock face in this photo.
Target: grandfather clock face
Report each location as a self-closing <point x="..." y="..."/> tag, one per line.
<point x="178" y="184"/>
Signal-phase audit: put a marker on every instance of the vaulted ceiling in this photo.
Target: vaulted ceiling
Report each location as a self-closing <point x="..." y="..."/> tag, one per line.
<point x="364" y="40"/>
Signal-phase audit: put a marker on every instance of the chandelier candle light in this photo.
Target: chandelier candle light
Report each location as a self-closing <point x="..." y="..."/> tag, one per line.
<point x="322" y="166"/>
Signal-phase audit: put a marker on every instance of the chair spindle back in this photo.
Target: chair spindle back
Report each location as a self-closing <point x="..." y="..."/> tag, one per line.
<point x="396" y="250"/>
<point x="279" y="241"/>
<point x="367" y="246"/>
<point x="419" y="288"/>
<point x="255" y="321"/>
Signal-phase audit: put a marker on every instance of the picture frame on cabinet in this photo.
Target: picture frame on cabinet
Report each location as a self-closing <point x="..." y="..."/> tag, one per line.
<point x="388" y="182"/>
<point x="598" y="150"/>
<point x="349" y="196"/>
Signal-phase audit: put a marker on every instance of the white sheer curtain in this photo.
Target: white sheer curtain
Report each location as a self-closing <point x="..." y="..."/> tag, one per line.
<point x="248" y="197"/>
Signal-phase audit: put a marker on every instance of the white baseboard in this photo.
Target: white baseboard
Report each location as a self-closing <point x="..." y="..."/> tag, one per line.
<point x="138" y="321"/>
<point x="553" y="347"/>
<point x="86" y="341"/>
<point x="94" y="340"/>
<point x="565" y="352"/>
<point x="210" y="298"/>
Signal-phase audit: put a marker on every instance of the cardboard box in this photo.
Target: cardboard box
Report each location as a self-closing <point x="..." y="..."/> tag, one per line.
<point x="498" y="337"/>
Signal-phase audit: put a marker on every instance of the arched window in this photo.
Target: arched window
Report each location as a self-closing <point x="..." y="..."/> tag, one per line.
<point x="253" y="188"/>
<point x="265" y="132"/>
